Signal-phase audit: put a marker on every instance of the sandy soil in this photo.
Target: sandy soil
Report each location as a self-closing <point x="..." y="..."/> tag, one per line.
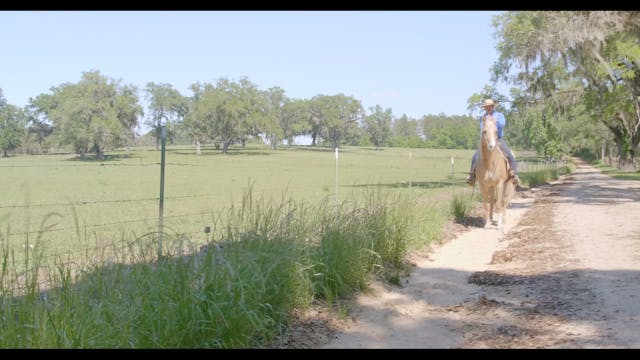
<point x="563" y="273"/>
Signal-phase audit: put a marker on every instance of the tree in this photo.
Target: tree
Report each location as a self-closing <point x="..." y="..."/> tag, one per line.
<point x="167" y="106"/>
<point x="39" y="128"/>
<point x="95" y="114"/>
<point x="128" y="111"/>
<point x="378" y="125"/>
<point x="276" y="101"/>
<point x="283" y="118"/>
<point x="571" y="59"/>
<point x="252" y="107"/>
<point x="12" y="126"/>
<point x="450" y="132"/>
<point x="315" y="119"/>
<point x="336" y="118"/>
<point x="226" y="112"/>
<point x="406" y="132"/>
<point x="292" y="121"/>
<point x="203" y="113"/>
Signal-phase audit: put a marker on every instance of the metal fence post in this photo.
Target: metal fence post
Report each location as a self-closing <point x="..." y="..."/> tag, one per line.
<point x="161" y="207"/>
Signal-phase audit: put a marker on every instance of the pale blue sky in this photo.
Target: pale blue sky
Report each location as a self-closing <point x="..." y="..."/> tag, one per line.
<point x="414" y="62"/>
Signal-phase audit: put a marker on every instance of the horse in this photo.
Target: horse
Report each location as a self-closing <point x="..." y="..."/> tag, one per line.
<point x="492" y="174"/>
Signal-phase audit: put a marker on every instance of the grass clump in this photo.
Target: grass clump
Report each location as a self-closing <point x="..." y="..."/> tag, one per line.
<point x="461" y="206"/>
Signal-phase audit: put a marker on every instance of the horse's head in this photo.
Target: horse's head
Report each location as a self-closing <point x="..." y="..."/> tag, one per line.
<point x="489" y="132"/>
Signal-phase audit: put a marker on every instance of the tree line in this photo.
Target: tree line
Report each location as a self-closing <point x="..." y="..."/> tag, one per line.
<point x="98" y="113"/>
<point x="575" y="78"/>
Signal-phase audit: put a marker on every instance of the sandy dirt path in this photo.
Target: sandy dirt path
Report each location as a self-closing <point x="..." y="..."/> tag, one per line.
<point x="564" y="273"/>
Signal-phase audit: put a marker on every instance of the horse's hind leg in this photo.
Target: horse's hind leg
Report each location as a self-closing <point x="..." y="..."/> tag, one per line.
<point x="500" y="219"/>
<point x="506" y="200"/>
<point x="501" y="210"/>
<point x="499" y="213"/>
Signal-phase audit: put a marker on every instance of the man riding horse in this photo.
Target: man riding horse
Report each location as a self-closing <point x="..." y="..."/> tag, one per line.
<point x="501" y="122"/>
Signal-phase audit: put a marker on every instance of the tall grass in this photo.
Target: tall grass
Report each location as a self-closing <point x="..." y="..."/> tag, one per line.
<point x="544" y="175"/>
<point x="268" y="258"/>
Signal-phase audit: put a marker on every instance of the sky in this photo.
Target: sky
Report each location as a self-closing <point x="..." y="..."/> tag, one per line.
<point x="414" y="62"/>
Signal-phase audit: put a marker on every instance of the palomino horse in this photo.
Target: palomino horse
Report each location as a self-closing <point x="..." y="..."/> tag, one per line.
<point x="492" y="174"/>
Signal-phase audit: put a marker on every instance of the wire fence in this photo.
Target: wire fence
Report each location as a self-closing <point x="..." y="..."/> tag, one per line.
<point x="21" y="247"/>
<point x="90" y="226"/>
<point x="186" y="230"/>
<point x="92" y="202"/>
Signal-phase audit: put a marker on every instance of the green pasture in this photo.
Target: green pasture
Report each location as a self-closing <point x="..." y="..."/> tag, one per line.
<point x="60" y="205"/>
<point x="78" y="266"/>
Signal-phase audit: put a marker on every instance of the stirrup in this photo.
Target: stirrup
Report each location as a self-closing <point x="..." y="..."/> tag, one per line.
<point x="515" y="179"/>
<point x="470" y="180"/>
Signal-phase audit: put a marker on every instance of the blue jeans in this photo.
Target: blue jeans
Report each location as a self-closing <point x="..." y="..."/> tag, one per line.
<point x="505" y="149"/>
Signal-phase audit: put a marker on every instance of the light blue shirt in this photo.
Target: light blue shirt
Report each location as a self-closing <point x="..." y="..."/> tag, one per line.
<point x="500" y="120"/>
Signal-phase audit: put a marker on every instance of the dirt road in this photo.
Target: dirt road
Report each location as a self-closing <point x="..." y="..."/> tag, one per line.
<point x="564" y="273"/>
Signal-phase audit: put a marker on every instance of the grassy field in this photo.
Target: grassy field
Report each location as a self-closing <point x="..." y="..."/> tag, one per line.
<point x="58" y="204"/>
<point x="290" y="228"/>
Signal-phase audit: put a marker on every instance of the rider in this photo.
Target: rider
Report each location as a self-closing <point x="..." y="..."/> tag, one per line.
<point x="501" y="122"/>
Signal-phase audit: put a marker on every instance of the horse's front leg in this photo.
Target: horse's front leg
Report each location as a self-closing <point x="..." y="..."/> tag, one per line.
<point x="500" y="209"/>
<point x="487" y="214"/>
<point x="493" y="205"/>
<point x="488" y="208"/>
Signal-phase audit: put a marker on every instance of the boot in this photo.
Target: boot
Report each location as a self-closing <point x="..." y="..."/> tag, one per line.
<point x="514" y="177"/>
<point x="471" y="179"/>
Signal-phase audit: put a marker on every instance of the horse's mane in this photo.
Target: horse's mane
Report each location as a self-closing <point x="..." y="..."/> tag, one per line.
<point x="494" y="121"/>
